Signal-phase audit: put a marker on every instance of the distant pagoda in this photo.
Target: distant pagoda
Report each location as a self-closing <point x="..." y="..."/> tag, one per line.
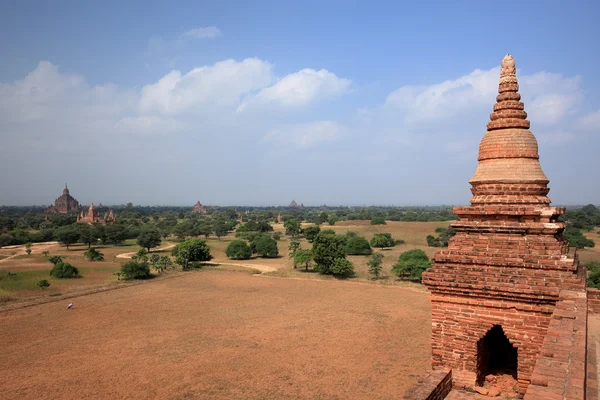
<point x="93" y="216"/>
<point x="199" y="208"/>
<point x="64" y="203"/>
<point x="293" y="204"/>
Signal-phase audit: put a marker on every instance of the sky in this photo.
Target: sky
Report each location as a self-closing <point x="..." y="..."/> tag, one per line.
<point x="258" y="103"/>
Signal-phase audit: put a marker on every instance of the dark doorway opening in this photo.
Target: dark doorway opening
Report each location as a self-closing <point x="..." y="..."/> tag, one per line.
<point x="495" y="355"/>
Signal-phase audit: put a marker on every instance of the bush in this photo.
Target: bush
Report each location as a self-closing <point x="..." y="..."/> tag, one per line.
<point x="191" y="250"/>
<point x="358" y="246"/>
<point x="576" y="238"/>
<point x="382" y="240"/>
<point x="442" y="240"/>
<point x="55" y="259"/>
<point x="266" y="247"/>
<point x="378" y="221"/>
<point x="94" y="255"/>
<point x="277" y="235"/>
<point x="43" y="284"/>
<point x="135" y="270"/>
<point x="238" y="250"/>
<point x="342" y="267"/>
<point x="411" y="265"/>
<point x="64" y="270"/>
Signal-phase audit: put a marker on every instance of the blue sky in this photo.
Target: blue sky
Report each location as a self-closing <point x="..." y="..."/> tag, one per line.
<point x="333" y="102"/>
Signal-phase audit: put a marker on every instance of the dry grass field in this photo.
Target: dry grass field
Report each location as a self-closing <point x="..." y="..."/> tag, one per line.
<point x="215" y="334"/>
<point x="31" y="269"/>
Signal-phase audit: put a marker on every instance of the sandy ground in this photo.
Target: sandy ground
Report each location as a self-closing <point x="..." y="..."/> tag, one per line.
<point x="219" y="335"/>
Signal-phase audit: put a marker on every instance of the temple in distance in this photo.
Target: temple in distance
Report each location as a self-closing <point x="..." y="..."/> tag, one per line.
<point x="64" y="203"/>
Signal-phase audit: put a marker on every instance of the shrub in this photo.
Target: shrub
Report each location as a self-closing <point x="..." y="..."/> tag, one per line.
<point x="64" y="270"/>
<point x="442" y="240"/>
<point x="135" y="270"/>
<point x="378" y="221"/>
<point x="411" y="265"/>
<point x="94" y="255"/>
<point x="266" y="247"/>
<point x="374" y="264"/>
<point x="332" y="220"/>
<point x="43" y="284"/>
<point x="382" y="240"/>
<point x="342" y="267"/>
<point x="358" y="246"/>
<point x="576" y="238"/>
<point x="277" y="235"/>
<point x="238" y="250"/>
<point x="55" y="259"/>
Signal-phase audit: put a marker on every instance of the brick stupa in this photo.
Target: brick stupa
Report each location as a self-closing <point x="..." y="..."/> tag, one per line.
<point x="495" y="287"/>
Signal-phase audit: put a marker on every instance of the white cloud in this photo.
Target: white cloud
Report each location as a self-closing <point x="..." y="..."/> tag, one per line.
<point x="298" y="90"/>
<point x="221" y="84"/>
<point x="209" y="32"/>
<point x="304" y="136"/>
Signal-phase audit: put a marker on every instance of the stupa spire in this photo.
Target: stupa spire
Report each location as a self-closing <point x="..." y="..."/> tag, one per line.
<point x="509" y="171"/>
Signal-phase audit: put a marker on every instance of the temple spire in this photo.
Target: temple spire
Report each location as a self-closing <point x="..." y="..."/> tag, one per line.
<point x="509" y="170"/>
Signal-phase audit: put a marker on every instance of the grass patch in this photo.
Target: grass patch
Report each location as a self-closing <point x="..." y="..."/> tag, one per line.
<point x="23" y="280"/>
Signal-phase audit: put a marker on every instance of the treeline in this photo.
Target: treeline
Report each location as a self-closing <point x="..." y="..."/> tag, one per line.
<point x="581" y="219"/>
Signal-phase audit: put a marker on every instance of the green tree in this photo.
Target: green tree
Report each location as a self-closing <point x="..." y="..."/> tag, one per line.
<point x="576" y="238"/>
<point x="327" y="247"/>
<point x="277" y="236"/>
<point x="293" y="246"/>
<point x="375" y="264"/>
<point x="114" y="234"/>
<point x="311" y="232"/>
<point x="183" y="229"/>
<point x="191" y="250"/>
<point x="411" y="265"/>
<point x="220" y="228"/>
<point x="266" y="246"/>
<point x="28" y="248"/>
<point x="149" y="238"/>
<point x="43" y="284"/>
<point x="205" y="229"/>
<point x="378" y="221"/>
<point x="332" y="220"/>
<point x="93" y="255"/>
<point x="135" y="270"/>
<point x="342" y="267"/>
<point x="382" y="240"/>
<point x="238" y="250"/>
<point x="165" y="263"/>
<point x="358" y="246"/>
<point x="55" y="259"/>
<point x="64" y="270"/>
<point x="292" y="227"/>
<point x="303" y="257"/>
<point x="67" y="235"/>
<point x="86" y="234"/>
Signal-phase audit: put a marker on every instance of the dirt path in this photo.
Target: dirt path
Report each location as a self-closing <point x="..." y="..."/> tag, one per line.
<point x="132" y="253"/>
<point x="35" y="248"/>
<point x="258" y="267"/>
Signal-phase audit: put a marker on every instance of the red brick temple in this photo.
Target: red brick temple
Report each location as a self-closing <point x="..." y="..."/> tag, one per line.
<point x="507" y="295"/>
<point x="64" y="203"/>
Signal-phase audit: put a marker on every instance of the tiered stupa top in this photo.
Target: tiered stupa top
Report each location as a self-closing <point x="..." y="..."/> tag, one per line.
<point x="509" y="171"/>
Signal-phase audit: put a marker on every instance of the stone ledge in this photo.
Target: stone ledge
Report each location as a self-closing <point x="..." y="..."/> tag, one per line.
<point x="434" y="385"/>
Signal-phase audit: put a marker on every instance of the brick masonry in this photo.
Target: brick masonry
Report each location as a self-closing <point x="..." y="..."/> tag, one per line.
<point x="593" y="301"/>
<point x="434" y="385"/>
<point x="509" y="265"/>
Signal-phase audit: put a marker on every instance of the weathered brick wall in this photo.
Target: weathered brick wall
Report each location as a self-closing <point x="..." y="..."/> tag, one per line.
<point x="434" y="385"/>
<point x="593" y="300"/>
<point x="560" y="370"/>
<point x="458" y="323"/>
